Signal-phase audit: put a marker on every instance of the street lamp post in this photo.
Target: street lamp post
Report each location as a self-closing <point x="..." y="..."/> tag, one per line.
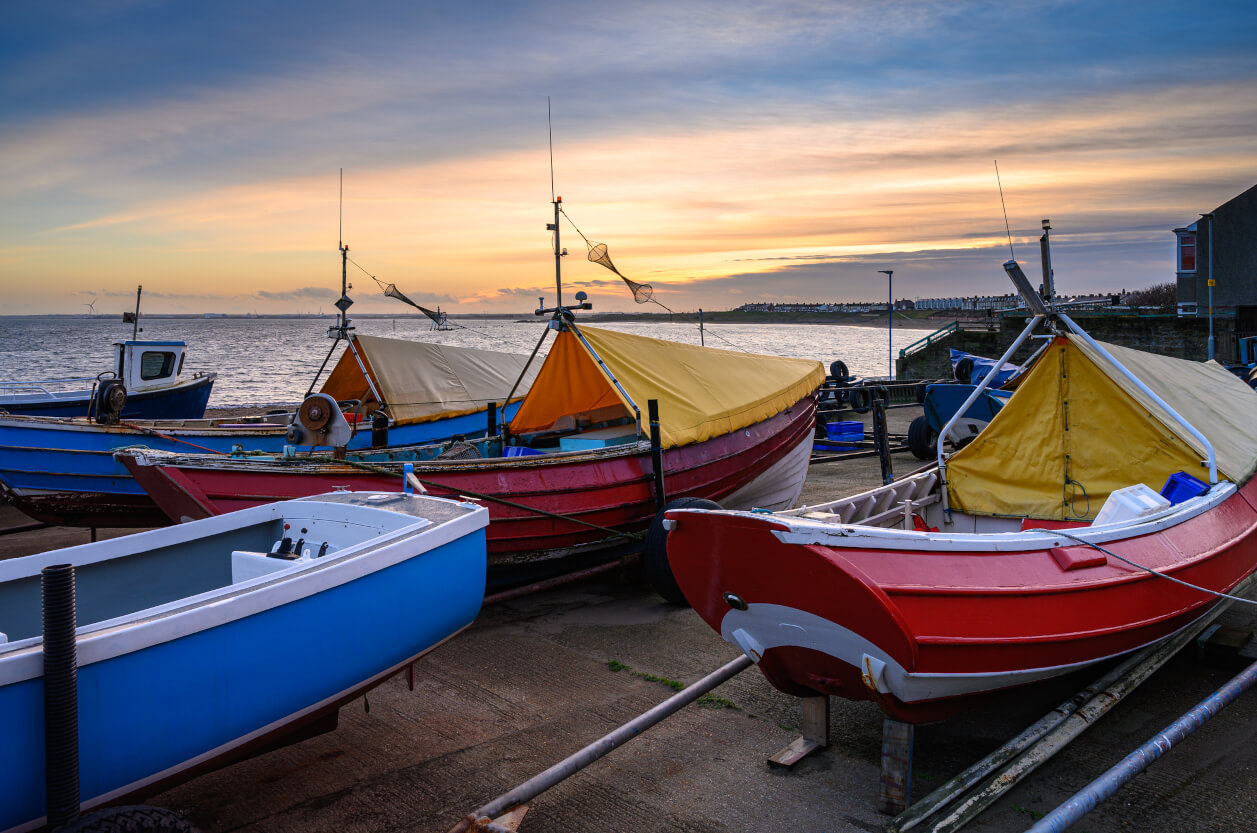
<point x="1209" y="217"/>
<point x="890" y="322"/>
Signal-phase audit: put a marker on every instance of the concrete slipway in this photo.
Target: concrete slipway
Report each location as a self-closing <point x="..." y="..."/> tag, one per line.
<point x="532" y="681"/>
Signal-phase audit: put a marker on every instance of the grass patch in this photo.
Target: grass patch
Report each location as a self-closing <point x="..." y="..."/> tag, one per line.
<point x="1034" y="814"/>
<point x="706" y="701"/>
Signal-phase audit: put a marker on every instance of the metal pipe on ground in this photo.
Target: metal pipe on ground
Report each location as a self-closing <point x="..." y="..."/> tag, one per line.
<point x="1008" y="765"/>
<point x="535" y="786"/>
<point x="1086" y="799"/>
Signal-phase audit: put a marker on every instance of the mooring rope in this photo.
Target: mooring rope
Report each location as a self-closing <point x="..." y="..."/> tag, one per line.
<point x="155" y="433"/>
<point x="632" y="536"/>
<point x="1146" y="569"/>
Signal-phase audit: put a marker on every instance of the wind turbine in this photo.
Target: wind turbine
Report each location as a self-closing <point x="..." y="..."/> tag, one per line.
<point x="91" y="306"/>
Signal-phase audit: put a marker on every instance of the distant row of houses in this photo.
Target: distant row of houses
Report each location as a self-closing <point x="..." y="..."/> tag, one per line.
<point x="973" y="302"/>
<point x="1216" y="270"/>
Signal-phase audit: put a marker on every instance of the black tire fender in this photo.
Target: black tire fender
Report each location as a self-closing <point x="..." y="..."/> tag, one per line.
<point x="838" y="371"/>
<point x="921" y="439"/>
<point x="655" y="550"/>
<point x="860" y="399"/>
<point x="964" y="369"/>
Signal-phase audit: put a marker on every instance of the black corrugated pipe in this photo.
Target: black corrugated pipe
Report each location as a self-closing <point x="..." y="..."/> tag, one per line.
<point x="61" y="698"/>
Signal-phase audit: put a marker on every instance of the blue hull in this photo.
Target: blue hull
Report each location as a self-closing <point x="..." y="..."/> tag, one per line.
<point x="148" y="714"/>
<point x="66" y="474"/>
<point x="183" y="402"/>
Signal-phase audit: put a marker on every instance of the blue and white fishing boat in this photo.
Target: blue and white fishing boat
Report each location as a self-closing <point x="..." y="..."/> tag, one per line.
<point x="200" y="641"/>
<point x="395" y="392"/>
<point x="146" y="382"/>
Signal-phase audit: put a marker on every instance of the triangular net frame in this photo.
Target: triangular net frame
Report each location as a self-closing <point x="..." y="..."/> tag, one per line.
<point x="392" y="291"/>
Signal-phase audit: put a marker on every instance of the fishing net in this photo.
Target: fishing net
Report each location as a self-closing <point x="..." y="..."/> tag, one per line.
<point x="392" y="291"/>
<point x="642" y="292"/>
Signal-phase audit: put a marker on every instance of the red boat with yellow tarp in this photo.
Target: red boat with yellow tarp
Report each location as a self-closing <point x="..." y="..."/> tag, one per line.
<point x="1109" y="504"/>
<point x="572" y="473"/>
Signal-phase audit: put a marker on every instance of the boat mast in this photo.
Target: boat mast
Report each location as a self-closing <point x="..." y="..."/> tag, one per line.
<point x="135" y="328"/>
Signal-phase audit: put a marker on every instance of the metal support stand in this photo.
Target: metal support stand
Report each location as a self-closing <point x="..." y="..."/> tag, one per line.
<point x="815" y="733"/>
<point x="896" y="784"/>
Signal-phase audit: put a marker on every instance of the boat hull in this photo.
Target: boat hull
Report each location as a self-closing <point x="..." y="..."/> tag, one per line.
<point x="63" y="472"/>
<point x="185" y="400"/>
<point x="926" y="631"/>
<point x="196" y="693"/>
<point x="763" y="465"/>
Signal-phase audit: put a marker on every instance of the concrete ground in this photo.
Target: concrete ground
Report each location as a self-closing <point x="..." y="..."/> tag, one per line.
<point x="535" y="679"/>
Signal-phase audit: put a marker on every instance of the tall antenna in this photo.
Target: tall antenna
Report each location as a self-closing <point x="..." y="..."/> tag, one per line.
<point x="340" y="213"/>
<point x="1001" y="203"/>
<point x="550" y="128"/>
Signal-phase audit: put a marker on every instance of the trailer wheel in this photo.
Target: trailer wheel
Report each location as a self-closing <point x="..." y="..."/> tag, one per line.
<point x="860" y="399"/>
<point x="920" y="392"/>
<point x="964" y="369"/>
<point x="922" y="439"/>
<point x="131" y="819"/>
<point x="655" y="550"/>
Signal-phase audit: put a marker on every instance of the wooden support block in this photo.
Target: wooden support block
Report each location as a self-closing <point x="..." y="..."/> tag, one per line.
<point x="815" y="733"/>
<point x="896" y="784"/>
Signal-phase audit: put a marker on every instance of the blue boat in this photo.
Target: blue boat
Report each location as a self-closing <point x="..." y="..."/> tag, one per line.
<point x="395" y="392"/>
<point x="149" y="373"/>
<point x="202" y="641"/>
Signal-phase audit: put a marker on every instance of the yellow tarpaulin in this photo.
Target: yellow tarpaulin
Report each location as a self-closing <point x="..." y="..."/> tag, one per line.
<point x="1073" y="433"/>
<point x="702" y="392"/>
<point x="422" y="382"/>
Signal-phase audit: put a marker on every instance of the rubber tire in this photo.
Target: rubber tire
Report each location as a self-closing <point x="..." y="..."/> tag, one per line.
<point x="964" y="369"/>
<point x="922" y="440"/>
<point x="838" y="371"/>
<point x="821" y="432"/>
<point x="655" y="550"/>
<point x="861" y="399"/>
<point x="131" y="819"/>
<point x="920" y="392"/>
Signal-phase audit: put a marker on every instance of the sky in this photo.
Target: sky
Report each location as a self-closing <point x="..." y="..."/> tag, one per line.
<point x="725" y="152"/>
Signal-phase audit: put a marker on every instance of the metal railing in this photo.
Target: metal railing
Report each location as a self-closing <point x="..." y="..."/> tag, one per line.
<point x="938" y="335"/>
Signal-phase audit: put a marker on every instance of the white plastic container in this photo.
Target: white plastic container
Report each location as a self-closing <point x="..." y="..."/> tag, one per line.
<point x="1130" y="503"/>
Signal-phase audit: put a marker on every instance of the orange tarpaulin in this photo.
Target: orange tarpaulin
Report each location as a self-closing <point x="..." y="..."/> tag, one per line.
<point x="702" y="392"/>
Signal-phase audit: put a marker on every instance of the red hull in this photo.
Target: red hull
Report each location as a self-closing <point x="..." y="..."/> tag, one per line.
<point x="613" y="491"/>
<point x="949" y="624"/>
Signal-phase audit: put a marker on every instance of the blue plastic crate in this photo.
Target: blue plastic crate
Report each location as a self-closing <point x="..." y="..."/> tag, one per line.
<point x="845" y="431"/>
<point x="1182" y="486"/>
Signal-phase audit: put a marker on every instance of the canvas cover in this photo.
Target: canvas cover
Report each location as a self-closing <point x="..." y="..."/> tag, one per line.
<point x="422" y="382"/>
<point x="702" y="392"/>
<point x="1077" y="429"/>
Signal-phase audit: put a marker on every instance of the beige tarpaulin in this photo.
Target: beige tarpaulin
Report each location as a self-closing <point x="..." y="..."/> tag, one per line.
<point x="702" y="392"/>
<point x="422" y="382"/>
<point x="1075" y="431"/>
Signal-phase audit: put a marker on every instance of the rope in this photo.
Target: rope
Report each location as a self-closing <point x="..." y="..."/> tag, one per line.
<point x="153" y="433"/>
<point x="1156" y="573"/>
<point x="680" y="315"/>
<point x="632" y="536"/>
<point x="380" y="284"/>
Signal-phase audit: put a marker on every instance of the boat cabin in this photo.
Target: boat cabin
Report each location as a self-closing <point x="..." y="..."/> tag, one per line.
<point x="145" y="365"/>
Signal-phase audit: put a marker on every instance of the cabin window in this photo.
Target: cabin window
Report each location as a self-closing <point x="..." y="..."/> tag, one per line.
<point x="155" y="365"/>
<point x="1187" y="253"/>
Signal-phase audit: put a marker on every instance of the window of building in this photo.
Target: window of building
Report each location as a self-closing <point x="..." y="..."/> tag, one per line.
<point x="154" y="365"/>
<point x="1187" y="253"/>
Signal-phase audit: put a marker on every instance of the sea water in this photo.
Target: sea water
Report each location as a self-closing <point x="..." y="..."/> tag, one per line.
<point x="272" y="361"/>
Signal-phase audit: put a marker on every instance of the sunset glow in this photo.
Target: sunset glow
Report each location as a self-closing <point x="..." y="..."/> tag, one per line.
<point x="725" y="152"/>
